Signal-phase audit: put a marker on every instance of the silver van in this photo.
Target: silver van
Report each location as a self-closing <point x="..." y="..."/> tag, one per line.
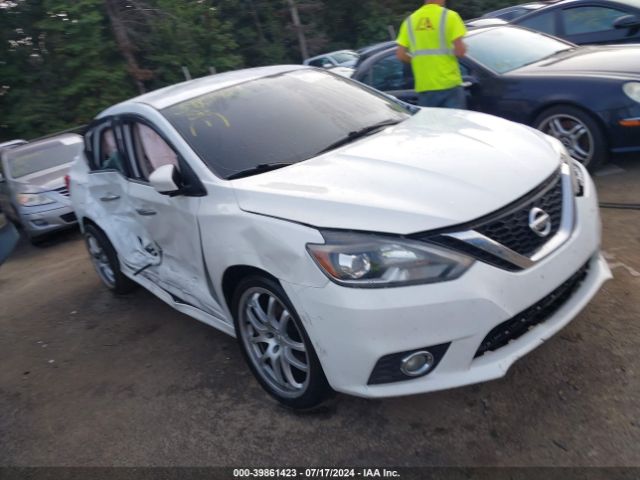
<point x="33" y="192"/>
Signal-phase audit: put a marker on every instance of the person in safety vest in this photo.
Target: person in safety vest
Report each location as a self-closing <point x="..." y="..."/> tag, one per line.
<point x="430" y="39"/>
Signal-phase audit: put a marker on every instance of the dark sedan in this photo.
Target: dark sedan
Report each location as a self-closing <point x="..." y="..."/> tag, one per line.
<point x="579" y="21"/>
<point x="587" y="97"/>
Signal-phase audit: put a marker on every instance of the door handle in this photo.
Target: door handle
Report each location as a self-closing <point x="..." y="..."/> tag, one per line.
<point x="109" y="197"/>
<point x="145" y="212"/>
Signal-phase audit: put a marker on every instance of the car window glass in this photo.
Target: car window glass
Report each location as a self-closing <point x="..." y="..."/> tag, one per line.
<point x="151" y="150"/>
<point x="108" y="156"/>
<point x="545" y="22"/>
<point x="318" y="62"/>
<point x="511" y="14"/>
<point x="343" y="57"/>
<point x="40" y="156"/>
<point x="505" y="49"/>
<point x="389" y="73"/>
<point x="284" y="118"/>
<point x="589" y="19"/>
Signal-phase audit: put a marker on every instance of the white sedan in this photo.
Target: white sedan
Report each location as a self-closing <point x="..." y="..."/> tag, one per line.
<point x="349" y="241"/>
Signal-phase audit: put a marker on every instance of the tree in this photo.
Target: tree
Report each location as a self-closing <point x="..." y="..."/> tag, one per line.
<point x="62" y="66"/>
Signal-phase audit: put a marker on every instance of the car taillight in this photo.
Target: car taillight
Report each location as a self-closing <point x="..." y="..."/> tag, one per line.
<point x="67" y="183"/>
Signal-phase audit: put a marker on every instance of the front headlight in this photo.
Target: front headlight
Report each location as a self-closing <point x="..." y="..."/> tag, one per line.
<point x="577" y="179"/>
<point x="33" y="199"/>
<point x="632" y="90"/>
<point x="376" y="261"/>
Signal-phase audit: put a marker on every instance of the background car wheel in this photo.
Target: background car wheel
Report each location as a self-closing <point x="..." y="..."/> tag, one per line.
<point x="276" y="345"/>
<point x="577" y="131"/>
<point x="105" y="260"/>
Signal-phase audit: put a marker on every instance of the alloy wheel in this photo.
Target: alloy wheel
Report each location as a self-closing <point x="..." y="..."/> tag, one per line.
<point x="573" y="134"/>
<point x="273" y="342"/>
<point x="100" y="261"/>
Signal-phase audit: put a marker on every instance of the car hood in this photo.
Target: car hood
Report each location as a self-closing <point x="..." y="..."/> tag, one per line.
<point x="611" y="60"/>
<point x="44" y="180"/>
<point x="436" y="169"/>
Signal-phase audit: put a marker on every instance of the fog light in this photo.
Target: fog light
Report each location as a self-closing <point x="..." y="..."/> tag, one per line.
<point x="416" y="364"/>
<point x="40" y="223"/>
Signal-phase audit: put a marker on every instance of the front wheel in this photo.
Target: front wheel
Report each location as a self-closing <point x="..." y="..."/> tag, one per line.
<point x="578" y="132"/>
<point x="105" y="261"/>
<point x="276" y="345"/>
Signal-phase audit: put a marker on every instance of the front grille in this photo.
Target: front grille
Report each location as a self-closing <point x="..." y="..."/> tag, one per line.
<point x="69" y="217"/>
<point x="474" y="252"/>
<point x="534" y="315"/>
<point x="62" y="191"/>
<point x="512" y="230"/>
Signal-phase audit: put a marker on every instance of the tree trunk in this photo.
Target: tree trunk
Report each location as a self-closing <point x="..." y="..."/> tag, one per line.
<point x="125" y="46"/>
<point x="298" y="27"/>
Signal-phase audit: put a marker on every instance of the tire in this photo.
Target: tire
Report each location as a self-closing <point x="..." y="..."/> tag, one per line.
<point x="13" y="217"/>
<point x="38" y="241"/>
<point x="578" y="131"/>
<point x="105" y="261"/>
<point x="262" y="310"/>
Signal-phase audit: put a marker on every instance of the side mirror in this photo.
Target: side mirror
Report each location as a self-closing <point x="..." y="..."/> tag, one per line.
<point x="166" y="180"/>
<point x="627" y="21"/>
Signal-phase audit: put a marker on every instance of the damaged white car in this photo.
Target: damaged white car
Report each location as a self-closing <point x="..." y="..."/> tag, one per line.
<point x="349" y="241"/>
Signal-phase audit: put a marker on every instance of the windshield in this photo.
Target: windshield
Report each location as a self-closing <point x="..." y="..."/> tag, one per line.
<point x="503" y="49"/>
<point x="343" y="57"/>
<point x="285" y="118"/>
<point x="30" y="159"/>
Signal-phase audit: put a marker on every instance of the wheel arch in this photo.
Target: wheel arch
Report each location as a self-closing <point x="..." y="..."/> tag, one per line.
<point x="566" y="103"/>
<point x="236" y="273"/>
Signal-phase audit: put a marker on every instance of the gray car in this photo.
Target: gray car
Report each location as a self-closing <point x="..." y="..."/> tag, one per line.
<point x="33" y="192"/>
<point x="340" y="58"/>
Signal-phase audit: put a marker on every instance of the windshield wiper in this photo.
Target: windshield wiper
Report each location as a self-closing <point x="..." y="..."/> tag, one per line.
<point x="260" y="168"/>
<point x="351" y="136"/>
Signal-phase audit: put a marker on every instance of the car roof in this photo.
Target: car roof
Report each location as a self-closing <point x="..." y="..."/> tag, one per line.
<point x="12" y="143"/>
<point x="38" y="145"/>
<point x="554" y="3"/>
<point x="345" y="50"/>
<point x="180" y="92"/>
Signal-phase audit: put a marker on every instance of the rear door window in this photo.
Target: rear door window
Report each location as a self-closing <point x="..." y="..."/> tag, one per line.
<point x="543" y="22"/>
<point x="108" y="155"/>
<point x="589" y="19"/>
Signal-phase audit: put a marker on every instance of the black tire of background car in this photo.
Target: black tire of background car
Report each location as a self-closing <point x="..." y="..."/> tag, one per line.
<point x="318" y="389"/>
<point x="600" y="151"/>
<point x="123" y="284"/>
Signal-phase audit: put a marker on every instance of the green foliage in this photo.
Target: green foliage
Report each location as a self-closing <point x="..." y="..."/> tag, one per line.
<point x="61" y="63"/>
<point x="61" y="67"/>
<point x="191" y="34"/>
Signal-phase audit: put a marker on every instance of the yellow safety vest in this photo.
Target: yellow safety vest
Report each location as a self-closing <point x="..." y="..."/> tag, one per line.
<point x="426" y="35"/>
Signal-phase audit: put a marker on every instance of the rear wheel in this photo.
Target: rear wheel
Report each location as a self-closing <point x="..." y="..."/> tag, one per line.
<point x="276" y="345"/>
<point x="105" y="261"/>
<point x="578" y="132"/>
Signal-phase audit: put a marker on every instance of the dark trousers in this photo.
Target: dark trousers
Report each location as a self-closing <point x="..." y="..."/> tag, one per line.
<point x="450" y="98"/>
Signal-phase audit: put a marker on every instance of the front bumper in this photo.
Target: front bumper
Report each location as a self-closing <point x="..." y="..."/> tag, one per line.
<point x="352" y="328"/>
<point x="46" y="221"/>
<point x="623" y="135"/>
